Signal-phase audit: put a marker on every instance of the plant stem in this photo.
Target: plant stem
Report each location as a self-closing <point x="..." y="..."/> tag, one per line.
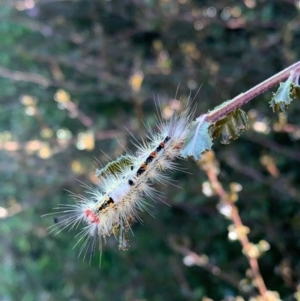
<point x="231" y="105"/>
<point x="235" y="217"/>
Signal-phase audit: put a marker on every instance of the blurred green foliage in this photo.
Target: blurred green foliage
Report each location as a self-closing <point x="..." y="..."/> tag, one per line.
<point x="74" y="74"/>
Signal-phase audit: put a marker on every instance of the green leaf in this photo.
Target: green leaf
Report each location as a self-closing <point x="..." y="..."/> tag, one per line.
<point x="284" y="95"/>
<point x="230" y="127"/>
<point x="198" y="139"/>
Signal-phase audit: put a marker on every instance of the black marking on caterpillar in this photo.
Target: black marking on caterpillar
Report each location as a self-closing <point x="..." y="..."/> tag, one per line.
<point x="109" y="202"/>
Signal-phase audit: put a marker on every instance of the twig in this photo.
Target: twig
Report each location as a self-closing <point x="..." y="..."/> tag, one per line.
<point x="195" y="259"/>
<point x="225" y="198"/>
<point x="24" y="76"/>
<point x="182" y="281"/>
<point x="285" y="187"/>
<point x="75" y="111"/>
<point x="45" y="82"/>
<point x="292" y="154"/>
<point x="221" y="111"/>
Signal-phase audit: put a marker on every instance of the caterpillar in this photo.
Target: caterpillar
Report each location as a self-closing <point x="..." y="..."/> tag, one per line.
<point x="125" y="185"/>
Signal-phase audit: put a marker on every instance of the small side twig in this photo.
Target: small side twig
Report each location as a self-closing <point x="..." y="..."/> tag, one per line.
<point x="192" y="258"/>
<point x="75" y="111"/>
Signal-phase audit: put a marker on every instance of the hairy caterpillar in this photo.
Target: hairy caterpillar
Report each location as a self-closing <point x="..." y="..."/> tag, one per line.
<point x="111" y="207"/>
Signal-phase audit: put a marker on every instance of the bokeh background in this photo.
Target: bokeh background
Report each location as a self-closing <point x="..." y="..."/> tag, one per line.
<point x="74" y="74"/>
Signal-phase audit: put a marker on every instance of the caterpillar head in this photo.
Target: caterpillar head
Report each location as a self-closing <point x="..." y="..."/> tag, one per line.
<point x="91" y="216"/>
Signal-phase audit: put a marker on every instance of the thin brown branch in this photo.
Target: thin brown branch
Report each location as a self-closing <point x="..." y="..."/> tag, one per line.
<point x="24" y="76"/>
<point x="75" y="111"/>
<point x="284" y="188"/>
<point x="195" y="259"/>
<point x="292" y="154"/>
<point x="182" y="281"/>
<point x="243" y="98"/>
<point x="235" y="217"/>
<point x="45" y="82"/>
